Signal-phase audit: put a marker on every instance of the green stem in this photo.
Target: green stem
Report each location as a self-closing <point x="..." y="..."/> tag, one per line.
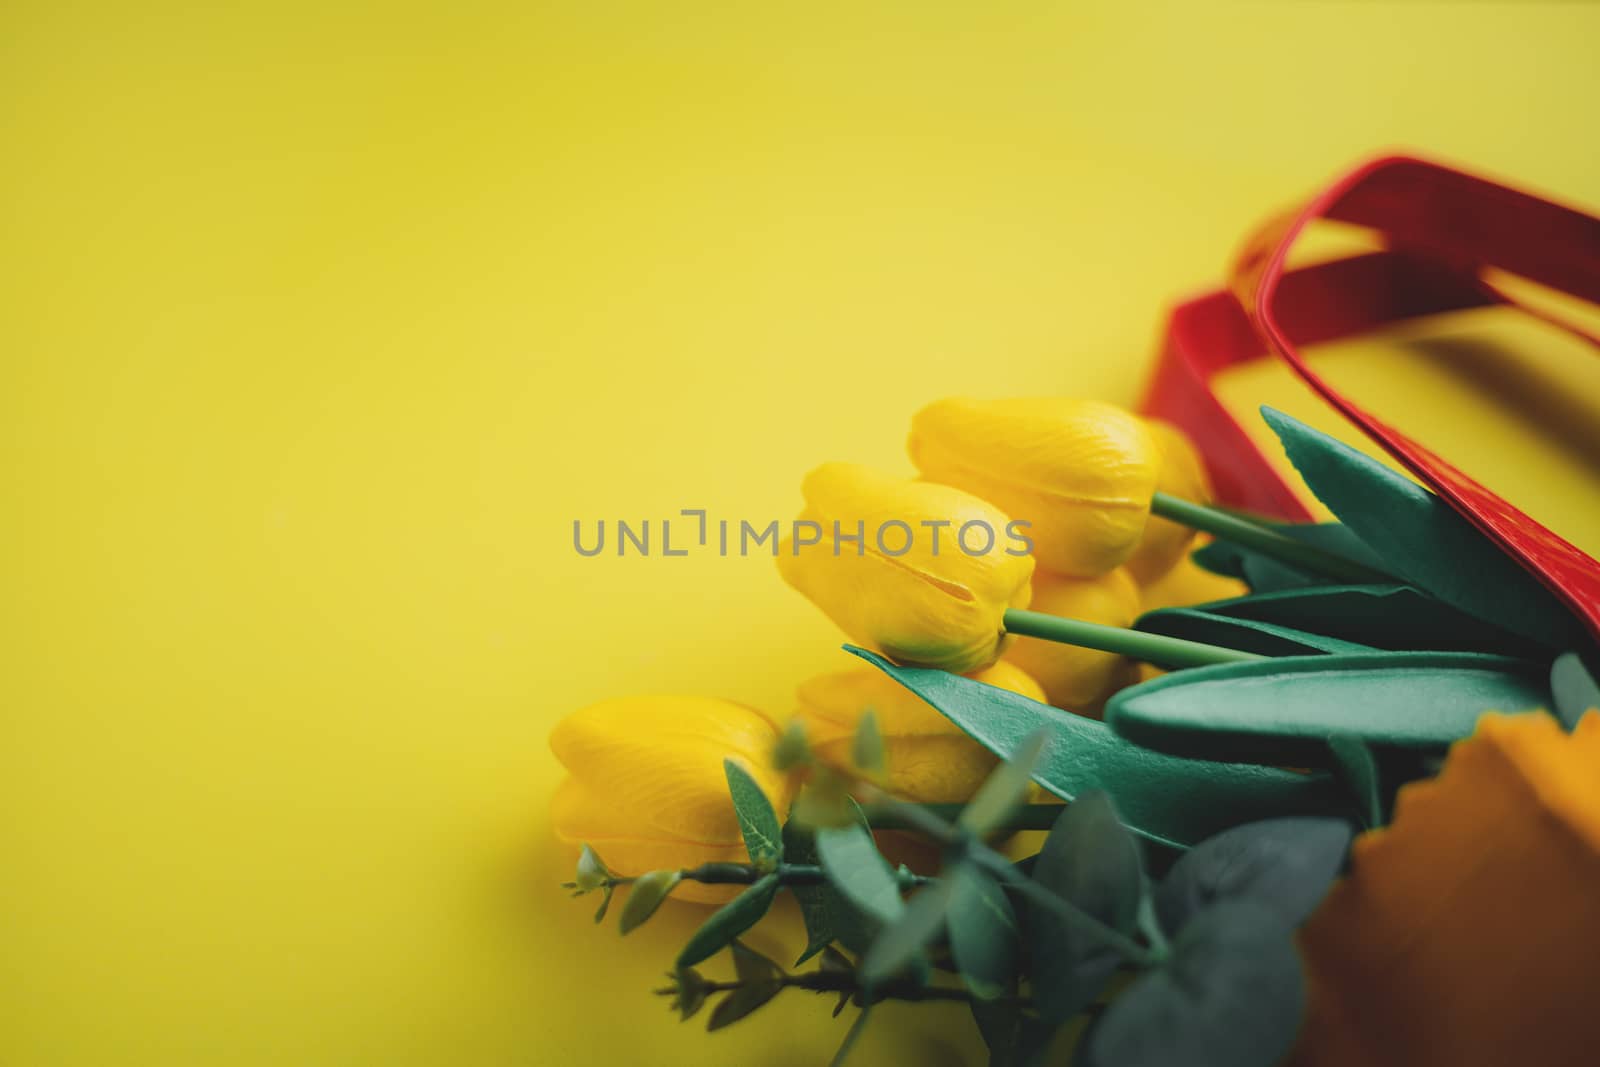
<point x="1135" y="644"/>
<point x="1264" y="539"/>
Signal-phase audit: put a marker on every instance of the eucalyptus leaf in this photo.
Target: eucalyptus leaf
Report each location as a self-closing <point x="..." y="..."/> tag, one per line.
<point x="1281" y="711"/>
<point x="1006" y="787"/>
<point x="828" y="916"/>
<point x="645" y="896"/>
<point x="1167" y="800"/>
<point x="1284" y="865"/>
<point x="1421" y="538"/>
<point x="1573" y="688"/>
<point x="763" y="836"/>
<point x="1092" y="862"/>
<point x="1245" y="635"/>
<point x="1394" y="617"/>
<point x="903" y="940"/>
<point x="1013" y="1037"/>
<point x="729" y="921"/>
<point x="1230" y="995"/>
<point x="1355" y="766"/>
<point x="859" y="872"/>
<point x="741" y="1002"/>
<point x="984" y="933"/>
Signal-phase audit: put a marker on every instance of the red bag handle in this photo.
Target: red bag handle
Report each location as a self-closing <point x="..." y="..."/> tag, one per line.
<point x="1442" y="227"/>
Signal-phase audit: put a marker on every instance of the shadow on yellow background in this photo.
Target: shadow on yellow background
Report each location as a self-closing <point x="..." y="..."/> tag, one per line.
<point x="320" y="327"/>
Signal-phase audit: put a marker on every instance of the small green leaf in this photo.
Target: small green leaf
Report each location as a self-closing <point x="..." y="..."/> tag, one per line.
<point x="792" y="749"/>
<point x="1092" y="862"/>
<point x="984" y="934"/>
<point x="866" y="750"/>
<point x="1421" y="538"/>
<point x="751" y="966"/>
<point x="1245" y="635"/>
<point x="1171" y="801"/>
<point x="752" y="994"/>
<point x="1354" y="765"/>
<point x="605" y="903"/>
<point x="1284" y="865"/>
<point x="828" y="916"/>
<point x="1281" y="711"/>
<point x="645" y="896"/>
<point x="1393" y="617"/>
<point x="902" y="941"/>
<point x="1573" y="689"/>
<point x="856" y="868"/>
<point x="690" y="990"/>
<point x="592" y="873"/>
<point x="1005" y="789"/>
<point x="763" y="836"/>
<point x="729" y="921"/>
<point x="1230" y="995"/>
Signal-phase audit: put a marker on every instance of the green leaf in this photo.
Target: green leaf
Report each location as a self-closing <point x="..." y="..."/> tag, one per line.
<point x="1005" y="789"/>
<point x="859" y="872"/>
<point x="1281" y="711"/>
<point x="690" y="990"/>
<point x="984" y="936"/>
<point x="1170" y="801"/>
<point x="1230" y="995"/>
<point x="1246" y="635"/>
<point x="1265" y="573"/>
<point x="1014" y="1039"/>
<point x="1573" y="689"/>
<point x="729" y="921"/>
<point x="763" y="836"/>
<point x="1422" y="539"/>
<point x="739" y="1003"/>
<point x="1284" y="865"/>
<point x="828" y="916"/>
<point x="1354" y="765"/>
<point x="1091" y="861"/>
<point x="792" y="749"/>
<point x="903" y="940"/>
<point x="1395" y="617"/>
<point x="592" y="873"/>
<point x="645" y="896"/>
<point x="866" y="748"/>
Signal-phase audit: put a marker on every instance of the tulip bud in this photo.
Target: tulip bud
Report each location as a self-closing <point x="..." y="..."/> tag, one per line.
<point x="646" y="785"/>
<point x="1079" y="679"/>
<point x="929" y="759"/>
<point x="922" y="573"/>
<point x="1188" y="583"/>
<point x="1078" y="471"/>
<point x="1183" y="475"/>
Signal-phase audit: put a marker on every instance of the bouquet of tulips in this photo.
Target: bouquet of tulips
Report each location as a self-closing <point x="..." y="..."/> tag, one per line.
<point x="1332" y="791"/>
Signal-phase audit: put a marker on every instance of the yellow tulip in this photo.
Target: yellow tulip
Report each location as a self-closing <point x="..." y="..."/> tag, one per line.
<point x="1465" y="932"/>
<point x="922" y="573"/>
<point x="929" y="759"/>
<point x="1079" y="679"/>
<point x="1183" y="474"/>
<point x="646" y="786"/>
<point x="1080" y="472"/>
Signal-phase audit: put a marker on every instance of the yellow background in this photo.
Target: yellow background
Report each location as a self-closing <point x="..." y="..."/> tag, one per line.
<point x="320" y="323"/>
